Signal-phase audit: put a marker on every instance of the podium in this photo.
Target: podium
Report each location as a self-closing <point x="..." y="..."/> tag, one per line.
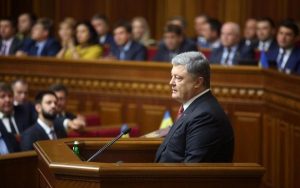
<point x="129" y="163"/>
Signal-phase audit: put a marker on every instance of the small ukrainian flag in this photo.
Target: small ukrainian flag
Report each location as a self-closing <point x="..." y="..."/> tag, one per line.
<point x="166" y="121"/>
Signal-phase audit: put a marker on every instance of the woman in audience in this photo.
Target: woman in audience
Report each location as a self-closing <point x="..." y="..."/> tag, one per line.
<point x="87" y="44"/>
<point x="66" y="34"/>
<point x="141" y="31"/>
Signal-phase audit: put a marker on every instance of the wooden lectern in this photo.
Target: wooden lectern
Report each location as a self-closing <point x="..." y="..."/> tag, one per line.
<point x="129" y="163"/>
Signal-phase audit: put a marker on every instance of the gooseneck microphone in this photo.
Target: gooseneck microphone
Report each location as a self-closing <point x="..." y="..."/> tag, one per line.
<point x="124" y="130"/>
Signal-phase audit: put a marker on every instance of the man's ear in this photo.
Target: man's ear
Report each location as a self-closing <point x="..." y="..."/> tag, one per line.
<point x="199" y="82"/>
<point x="38" y="108"/>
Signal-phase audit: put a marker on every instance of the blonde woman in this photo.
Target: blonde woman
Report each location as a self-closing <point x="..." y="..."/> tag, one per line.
<point x="141" y="31"/>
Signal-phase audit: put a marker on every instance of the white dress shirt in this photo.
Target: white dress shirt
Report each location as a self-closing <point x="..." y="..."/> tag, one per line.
<point x="286" y="57"/>
<point x="46" y="128"/>
<point x="5" y="121"/>
<point x="7" y="45"/>
<point x="231" y="55"/>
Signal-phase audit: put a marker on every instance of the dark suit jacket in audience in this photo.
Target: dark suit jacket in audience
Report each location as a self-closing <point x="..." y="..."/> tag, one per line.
<point x="293" y="63"/>
<point x="136" y="52"/>
<point x="51" y="47"/>
<point x="273" y="45"/>
<point x="24" y="117"/>
<point x="15" y="46"/>
<point x="248" y="45"/>
<point x="163" y="54"/>
<point x="241" y="54"/>
<point x="202" y="134"/>
<point x="36" y="133"/>
<point x="9" y="140"/>
<point x="109" y="40"/>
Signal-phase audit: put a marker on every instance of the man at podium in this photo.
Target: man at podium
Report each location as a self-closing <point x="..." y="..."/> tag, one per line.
<point x="202" y="131"/>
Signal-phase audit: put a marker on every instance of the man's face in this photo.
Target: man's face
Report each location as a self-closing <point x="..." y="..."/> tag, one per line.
<point x="39" y="33"/>
<point x="286" y="37"/>
<point x="172" y="40"/>
<point x="183" y="84"/>
<point x="250" y="29"/>
<point x="20" y="92"/>
<point x="264" y="31"/>
<point x="229" y="37"/>
<point x="6" y="29"/>
<point x="24" y="23"/>
<point x="61" y="101"/>
<point x="100" y="26"/>
<point x="48" y="107"/>
<point x="199" y="22"/>
<point x="6" y="102"/>
<point x="121" y="36"/>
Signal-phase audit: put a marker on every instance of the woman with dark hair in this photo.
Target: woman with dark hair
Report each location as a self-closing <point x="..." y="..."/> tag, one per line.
<point x="87" y="44"/>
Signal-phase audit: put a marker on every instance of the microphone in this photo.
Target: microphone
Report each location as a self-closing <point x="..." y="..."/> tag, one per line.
<point x="124" y="130"/>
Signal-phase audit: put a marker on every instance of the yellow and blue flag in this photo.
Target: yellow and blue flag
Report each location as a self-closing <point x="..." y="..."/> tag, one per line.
<point x="166" y="121"/>
<point x="263" y="62"/>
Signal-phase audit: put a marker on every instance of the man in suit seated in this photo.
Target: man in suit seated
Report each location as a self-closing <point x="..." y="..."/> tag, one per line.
<point x="124" y="48"/>
<point x="41" y="43"/>
<point x="199" y="23"/>
<point x="15" y="119"/>
<point x="71" y="121"/>
<point x="250" y="39"/>
<point x="8" y="141"/>
<point x="25" y="23"/>
<point x="101" y="25"/>
<point x="230" y="52"/>
<point x="9" y="43"/>
<point x="44" y="128"/>
<point x="174" y="42"/>
<point x="287" y="55"/>
<point x="265" y="32"/>
<point x="211" y="32"/>
<point x="202" y="131"/>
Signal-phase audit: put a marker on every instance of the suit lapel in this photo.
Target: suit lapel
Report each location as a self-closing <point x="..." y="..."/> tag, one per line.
<point x="41" y="132"/>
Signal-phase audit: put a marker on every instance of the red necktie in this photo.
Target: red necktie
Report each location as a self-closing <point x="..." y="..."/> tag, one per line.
<point x="180" y="112"/>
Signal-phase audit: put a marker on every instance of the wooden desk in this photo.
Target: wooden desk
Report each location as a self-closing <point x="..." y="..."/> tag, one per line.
<point x="59" y="167"/>
<point x="19" y="170"/>
<point x="263" y="105"/>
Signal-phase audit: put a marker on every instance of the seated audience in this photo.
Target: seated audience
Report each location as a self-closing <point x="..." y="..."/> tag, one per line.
<point x="230" y="52"/>
<point x="45" y="128"/>
<point x="71" y="121"/>
<point x="179" y="21"/>
<point x="211" y="33"/>
<point x="199" y="22"/>
<point x="8" y="142"/>
<point x="87" y="44"/>
<point x="265" y="32"/>
<point x="25" y="24"/>
<point x="174" y="43"/>
<point x="250" y="39"/>
<point x="124" y="47"/>
<point x="9" y="43"/>
<point x="141" y="31"/>
<point x="287" y="55"/>
<point x="101" y="25"/>
<point x="15" y="119"/>
<point x="41" y="43"/>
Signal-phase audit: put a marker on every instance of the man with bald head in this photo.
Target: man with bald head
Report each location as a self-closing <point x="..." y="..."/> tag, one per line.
<point x="231" y="52"/>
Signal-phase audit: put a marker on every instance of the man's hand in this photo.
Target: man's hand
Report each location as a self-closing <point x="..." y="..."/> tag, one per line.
<point x="77" y="124"/>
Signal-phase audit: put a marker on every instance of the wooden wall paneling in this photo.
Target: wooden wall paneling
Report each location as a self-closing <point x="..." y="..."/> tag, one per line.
<point x="269" y="150"/>
<point x="247" y="128"/>
<point x="130" y="113"/>
<point x="151" y="117"/>
<point x="283" y="145"/>
<point x="295" y="153"/>
<point x="111" y="113"/>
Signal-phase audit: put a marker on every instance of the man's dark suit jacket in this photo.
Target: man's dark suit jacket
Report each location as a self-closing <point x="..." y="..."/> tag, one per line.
<point x="273" y="45"/>
<point x="248" y="47"/>
<point x="109" y="40"/>
<point x="163" y="54"/>
<point x="293" y="63"/>
<point x="136" y="52"/>
<point x="15" y="46"/>
<point x="36" y="133"/>
<point x="51" y="47"/>
<point x="240" y="55"/>
<point x="9" y="139"/>
<point x="202" y="134"/>
<point x="24" y="117"/>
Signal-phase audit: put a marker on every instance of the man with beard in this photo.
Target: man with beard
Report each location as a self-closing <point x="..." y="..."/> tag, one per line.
<point x="45" y="127"/>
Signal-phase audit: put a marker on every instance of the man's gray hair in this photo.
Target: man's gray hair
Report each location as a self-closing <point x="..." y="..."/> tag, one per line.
<point x="195" y="64"/>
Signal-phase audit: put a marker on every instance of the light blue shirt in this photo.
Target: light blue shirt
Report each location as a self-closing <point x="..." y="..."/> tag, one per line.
<point x="40" y="46"/>
<point x="3" y="147"/>
<point x="124" y="49"/>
